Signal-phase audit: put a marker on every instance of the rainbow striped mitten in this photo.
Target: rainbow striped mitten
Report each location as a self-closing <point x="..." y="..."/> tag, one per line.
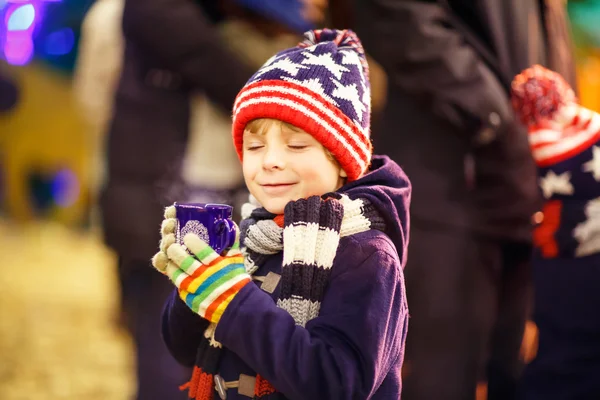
<point x="207" y="282"/>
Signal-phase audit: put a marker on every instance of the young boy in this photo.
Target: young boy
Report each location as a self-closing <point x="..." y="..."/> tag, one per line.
<point x="314" y="305"/>
<point x="565" y="142"/>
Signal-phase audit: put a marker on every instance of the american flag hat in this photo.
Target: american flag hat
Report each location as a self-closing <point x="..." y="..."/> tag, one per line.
<point x="564" y="138"/>
<point x="559" y="128"/>
<point x="320" y="86"/>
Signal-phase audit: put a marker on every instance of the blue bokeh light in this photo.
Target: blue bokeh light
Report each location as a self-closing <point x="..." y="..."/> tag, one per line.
<point x="60" y="42"/>
<point x="65" y="188"/>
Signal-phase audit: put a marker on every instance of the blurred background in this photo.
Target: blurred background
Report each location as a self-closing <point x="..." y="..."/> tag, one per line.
<point x="58" y="298"/>
<point x="58" y="283"/>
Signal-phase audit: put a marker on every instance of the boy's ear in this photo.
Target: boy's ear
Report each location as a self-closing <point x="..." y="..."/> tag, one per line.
<point x="343" y="173"/>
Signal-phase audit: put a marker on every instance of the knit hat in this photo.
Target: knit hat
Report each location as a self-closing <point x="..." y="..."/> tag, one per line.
<point x="564" y="138"/>
<point x="559" y="127"/>
<point x="320" y="86"/>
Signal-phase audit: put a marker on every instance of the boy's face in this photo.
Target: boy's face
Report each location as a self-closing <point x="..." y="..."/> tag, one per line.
<point x="283" y="164"/>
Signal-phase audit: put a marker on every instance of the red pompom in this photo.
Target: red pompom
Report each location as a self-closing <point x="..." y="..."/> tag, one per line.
<point x="538" y="93"/>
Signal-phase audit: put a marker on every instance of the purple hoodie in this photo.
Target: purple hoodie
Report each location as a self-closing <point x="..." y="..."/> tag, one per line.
<point x="354" y="349"/>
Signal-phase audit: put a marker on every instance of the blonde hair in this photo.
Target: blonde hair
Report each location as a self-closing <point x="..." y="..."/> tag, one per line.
<point x="260" y="126"/>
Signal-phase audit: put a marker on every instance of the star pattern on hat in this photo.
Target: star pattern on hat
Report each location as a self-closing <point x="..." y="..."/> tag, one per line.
<point x="593" y="165"/>
<point x="313" y="84"/>
<point x="559" y="184"/>
<point x="350" y="93"/>
<point x="587" y="233"/>
<point x="325" y="60"/>
<point x="366" y="96"/>
<point x="352" y="58"/>
<point x="284" y="64"/>
<point x="312" y="48"/>
<point x="337" y="75"/>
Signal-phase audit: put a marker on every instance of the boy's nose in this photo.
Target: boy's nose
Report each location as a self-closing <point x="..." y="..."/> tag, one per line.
<point x="274" y="158"/>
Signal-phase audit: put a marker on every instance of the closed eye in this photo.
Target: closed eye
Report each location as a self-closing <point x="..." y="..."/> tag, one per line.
<point x="255" y="147"/>
<point x="297" y="147"/>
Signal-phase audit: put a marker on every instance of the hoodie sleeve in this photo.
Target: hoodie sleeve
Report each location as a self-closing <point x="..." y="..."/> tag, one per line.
<point x="182" y="330"/>
<point x="347" y="351"/>
<point x="426" y="54"/>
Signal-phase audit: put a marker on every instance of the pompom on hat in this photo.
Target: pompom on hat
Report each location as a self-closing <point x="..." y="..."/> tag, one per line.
<point x="559" y="128"/>
<point x="320" y="86"/>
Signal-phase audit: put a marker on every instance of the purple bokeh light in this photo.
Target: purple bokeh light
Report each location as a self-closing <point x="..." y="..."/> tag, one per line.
<point x="18" y="49"/>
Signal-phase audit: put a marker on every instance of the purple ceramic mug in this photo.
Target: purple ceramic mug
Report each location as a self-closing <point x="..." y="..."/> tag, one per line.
<point x="211" y="222"/>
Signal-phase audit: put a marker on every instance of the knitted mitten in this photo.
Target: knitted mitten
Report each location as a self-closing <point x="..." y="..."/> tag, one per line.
<point x="206" y="281"/>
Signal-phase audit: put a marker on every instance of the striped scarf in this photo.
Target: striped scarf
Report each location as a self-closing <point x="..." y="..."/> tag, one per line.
<point x="308" y="233"/>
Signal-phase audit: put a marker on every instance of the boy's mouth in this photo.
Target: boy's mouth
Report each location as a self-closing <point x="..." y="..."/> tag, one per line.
<point x="276" y="188"/>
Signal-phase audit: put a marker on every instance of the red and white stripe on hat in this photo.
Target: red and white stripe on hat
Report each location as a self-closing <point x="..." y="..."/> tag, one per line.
<point x="573" y="130"/>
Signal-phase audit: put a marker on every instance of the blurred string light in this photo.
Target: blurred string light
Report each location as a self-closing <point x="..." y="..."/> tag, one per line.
<point x="65" y="188"/>
<point x="22" y="21"/>
<point x="19" y="21"/>
<point x="49" y="188"/>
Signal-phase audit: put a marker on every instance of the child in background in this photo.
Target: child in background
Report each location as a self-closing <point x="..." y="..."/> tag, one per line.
<point x="565" y="142"/>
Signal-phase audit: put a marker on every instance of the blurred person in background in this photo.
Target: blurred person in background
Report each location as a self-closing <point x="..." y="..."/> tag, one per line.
<point x="95" y="79"/>
<point x="565" y="143"/>
<point x="9" y="93"/>
<point x="450" y="125"/>
<point x="174" y="63"/>
<point x="171" y="49"/>
<point x="9" y="97"/>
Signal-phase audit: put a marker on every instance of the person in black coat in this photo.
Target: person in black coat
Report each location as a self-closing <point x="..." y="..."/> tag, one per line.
<point x="449" y="124"/>
<point x="9" y="92"/>
<point x="171" y="50"/>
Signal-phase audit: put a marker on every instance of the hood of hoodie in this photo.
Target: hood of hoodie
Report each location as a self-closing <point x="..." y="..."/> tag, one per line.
<point x="388" y="188"/>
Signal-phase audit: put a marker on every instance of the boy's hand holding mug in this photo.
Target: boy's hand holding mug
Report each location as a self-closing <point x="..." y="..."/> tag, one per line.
<point x="206" y="281"/>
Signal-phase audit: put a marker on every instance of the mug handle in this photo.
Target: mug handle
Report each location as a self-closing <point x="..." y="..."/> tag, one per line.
<point x="230" y="233"/>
